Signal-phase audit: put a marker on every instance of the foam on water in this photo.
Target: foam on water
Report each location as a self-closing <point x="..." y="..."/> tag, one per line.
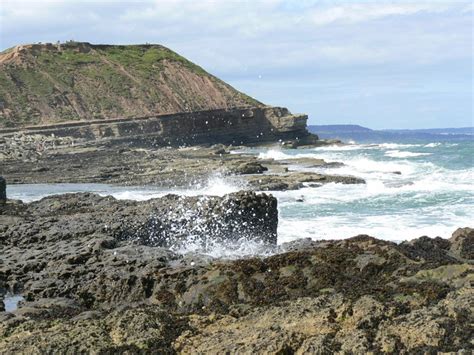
<point x="432" y="145"/>
<point x="403" y="198"/>
<point x="275" y="154"/>
<point x="403" y="154"/>
<point x="396" y="145"/>
<point x="411" y="190"/>
<point x="215" y="185"/>
<point x="392" y="228"/>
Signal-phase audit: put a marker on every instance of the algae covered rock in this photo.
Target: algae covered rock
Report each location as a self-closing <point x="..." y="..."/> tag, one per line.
<point x="462" y="243"/>
<point x="94" y="280"/>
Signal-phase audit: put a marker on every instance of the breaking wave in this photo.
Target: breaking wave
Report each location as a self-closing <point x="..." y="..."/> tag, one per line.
<point x="403" y="154"/>
<point x="403" y="198"/>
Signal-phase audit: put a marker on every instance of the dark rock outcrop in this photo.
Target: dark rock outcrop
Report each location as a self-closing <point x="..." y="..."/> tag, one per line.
<point x="34" y="159"/>
<point x="3" y="190"/>
<point x="166" y="222"/>
<point x="357" y="295"/>
<point x="95" y="279"/>
<point x="296" y="180"/>
<point x="252" y="167"/>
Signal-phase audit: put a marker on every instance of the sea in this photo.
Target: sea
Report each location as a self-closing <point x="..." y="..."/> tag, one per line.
<point x="413" y="189"/>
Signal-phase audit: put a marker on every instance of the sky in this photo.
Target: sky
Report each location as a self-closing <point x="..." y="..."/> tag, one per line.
<point x="380" y="64"/>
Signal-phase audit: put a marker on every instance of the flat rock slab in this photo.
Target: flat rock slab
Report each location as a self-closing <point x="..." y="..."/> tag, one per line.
<point x="296" y="180"/>
<point x="65" y="161"/>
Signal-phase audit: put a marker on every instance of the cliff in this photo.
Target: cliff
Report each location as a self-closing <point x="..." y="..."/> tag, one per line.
<point x="46" y="83"/>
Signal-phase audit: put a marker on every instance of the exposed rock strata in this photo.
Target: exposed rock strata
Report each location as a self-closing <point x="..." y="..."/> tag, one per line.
<point x="87" y="290"/>
<point x="248" y="125"/>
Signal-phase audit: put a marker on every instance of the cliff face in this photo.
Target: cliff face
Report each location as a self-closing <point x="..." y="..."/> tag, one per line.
<point x="229" y="126"/>
<point x="42" y="84"/>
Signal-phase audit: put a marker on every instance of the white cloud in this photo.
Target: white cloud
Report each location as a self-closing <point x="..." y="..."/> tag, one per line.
<point x="367" y="12"/>
<point x="312" y="55"/>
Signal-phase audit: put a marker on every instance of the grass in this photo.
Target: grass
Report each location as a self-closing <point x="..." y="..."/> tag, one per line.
<point x="146" y="58"/>
<point x="105" y="81"/>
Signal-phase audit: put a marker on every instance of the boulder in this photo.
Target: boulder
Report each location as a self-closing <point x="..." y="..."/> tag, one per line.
<point x="176" y="220"/>
<point x="170" y="221"/>
<point x="250" y="168"/>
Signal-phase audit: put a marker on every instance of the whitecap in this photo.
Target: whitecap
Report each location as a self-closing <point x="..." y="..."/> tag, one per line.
<point x="346" y="147"/>
<point x="432" y="145"/>
<point x="397" y="145"/>
<point x="275" y="155"/>
<point x="403" y="154"/>
<point x="382" y="227"/>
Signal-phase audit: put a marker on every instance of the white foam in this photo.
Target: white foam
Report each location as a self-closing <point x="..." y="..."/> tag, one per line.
<point x="397" y="145"/>
<point x="387" y="227"/>
<point x="216" y="185"/>
<point x="403" y="154"/>
<point x="421" y="198"/>
<point x="275" y="154"/>
<point x="402" y="199"/>
<point x="432" y="145"/>
<point x="346" y="147"/>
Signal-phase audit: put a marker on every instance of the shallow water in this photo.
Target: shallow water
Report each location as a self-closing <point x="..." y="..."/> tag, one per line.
<point x="413" y="189"/>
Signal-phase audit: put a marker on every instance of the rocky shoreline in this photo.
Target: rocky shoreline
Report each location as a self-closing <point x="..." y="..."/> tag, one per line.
<point x="41" y="159"/>
<point x="91" y="279"/>
<point x="85" y="273"/>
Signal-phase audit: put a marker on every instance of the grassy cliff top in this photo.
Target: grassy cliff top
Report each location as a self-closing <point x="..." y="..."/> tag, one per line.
<point x="46" y="83"/>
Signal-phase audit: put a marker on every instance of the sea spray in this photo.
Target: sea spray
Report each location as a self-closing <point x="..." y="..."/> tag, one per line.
<point x="424" y="195"/>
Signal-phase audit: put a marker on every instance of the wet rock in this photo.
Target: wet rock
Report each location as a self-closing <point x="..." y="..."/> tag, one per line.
<point x="296" y="180"/>
<point x="176" y="220"/>
<point x="62" y="160"/>
<point x="305" y="162"/>
<point x="219" y="149"/>
<point x="250" y="168"/>
<point x="428" y="249"/>
<point x="92" y="285"/>
<point x="166" y="221"/>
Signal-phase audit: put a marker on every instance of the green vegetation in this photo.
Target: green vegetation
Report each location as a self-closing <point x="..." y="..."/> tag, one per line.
<point x="84" y="81"/>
